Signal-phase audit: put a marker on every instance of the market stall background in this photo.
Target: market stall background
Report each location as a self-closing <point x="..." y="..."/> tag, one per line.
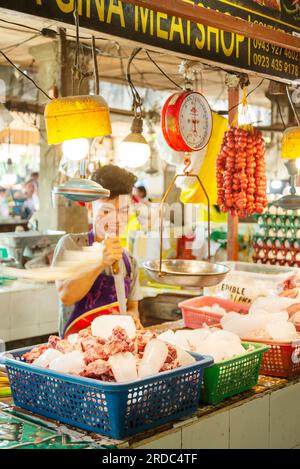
<point x="217" y="49"/>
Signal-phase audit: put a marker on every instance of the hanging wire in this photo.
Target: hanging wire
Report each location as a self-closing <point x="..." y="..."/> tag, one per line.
<point x="118" y="47"/>
<point x="76" y="18"/>
<point x="280" y="113"/>
<point x="292" y="105"/>
<point x="18" y="44"/>
<point x="24" y="74"/>
<point x="162" y="71"/>
<point x="137" y="100"/>
<point x="96" y="69"/>
<point x="75" y="70"/>
<point x="43" y="30"/>
<point x="248" y="94"/>
<point x="19" y="24"/>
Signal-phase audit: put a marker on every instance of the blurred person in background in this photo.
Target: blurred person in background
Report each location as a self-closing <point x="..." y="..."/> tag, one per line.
<point x="34" y="177"/>
<point x="141" y="206"/>
<point x="4" y="209"/>
<point x="139" y="195"/>
<point x="31" y="203"/>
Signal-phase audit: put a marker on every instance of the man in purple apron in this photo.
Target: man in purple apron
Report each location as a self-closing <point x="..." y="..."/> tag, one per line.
<point x="93" y="291"/>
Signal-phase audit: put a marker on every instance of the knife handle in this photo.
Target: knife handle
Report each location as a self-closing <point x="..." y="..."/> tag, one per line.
<point x="115" y="268"/>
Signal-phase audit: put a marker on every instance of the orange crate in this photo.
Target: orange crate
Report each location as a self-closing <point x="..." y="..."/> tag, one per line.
<point x="281" y="360"/>
<point x="195" y="316"/>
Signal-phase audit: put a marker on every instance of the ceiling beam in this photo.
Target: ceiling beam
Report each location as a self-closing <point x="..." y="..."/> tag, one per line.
<point x="186" y="10"/>
<point x="32" y="108"/>
<point x="24" y="107"/>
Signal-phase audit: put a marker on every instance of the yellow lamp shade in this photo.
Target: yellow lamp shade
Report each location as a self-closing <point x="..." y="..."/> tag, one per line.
<point x="291" y="143"/>
<point x="77" y="117"/>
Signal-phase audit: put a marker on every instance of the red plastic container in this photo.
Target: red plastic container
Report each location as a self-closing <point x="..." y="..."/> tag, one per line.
<point x="195" y="316"/>
<point x="282" y="360"/>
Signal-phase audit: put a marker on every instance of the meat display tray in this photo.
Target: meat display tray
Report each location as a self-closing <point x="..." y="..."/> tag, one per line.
<point x="111" y="409"/>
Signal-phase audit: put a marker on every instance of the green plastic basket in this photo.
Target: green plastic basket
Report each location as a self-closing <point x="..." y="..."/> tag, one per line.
<point x="230" y="377"/>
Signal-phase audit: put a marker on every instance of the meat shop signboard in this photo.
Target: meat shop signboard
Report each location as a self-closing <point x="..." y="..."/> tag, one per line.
<point x="184" y="37"/>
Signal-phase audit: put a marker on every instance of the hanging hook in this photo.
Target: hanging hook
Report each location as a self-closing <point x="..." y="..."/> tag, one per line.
<point x="187" y="164"/>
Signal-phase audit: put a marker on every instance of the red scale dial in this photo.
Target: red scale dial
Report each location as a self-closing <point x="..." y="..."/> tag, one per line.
<point x="187" y="121"/>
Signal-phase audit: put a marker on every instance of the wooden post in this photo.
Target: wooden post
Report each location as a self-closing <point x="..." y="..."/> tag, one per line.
<point x="233" y="221"/>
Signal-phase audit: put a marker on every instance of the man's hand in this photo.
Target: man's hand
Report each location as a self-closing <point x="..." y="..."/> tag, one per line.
<point x="293" y="309"/>
<point x="112" y="251"/>
<point x="137" y="321"/>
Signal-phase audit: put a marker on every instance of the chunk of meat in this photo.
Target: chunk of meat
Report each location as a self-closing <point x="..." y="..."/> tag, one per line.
<point x="35" y="353"/>
<point x="95" y="353"/>
<point x="294" y="312"/>
<point x="119" y="342"/>
<point x="53" y="340"/>
<point x="108" y="376"/>
<point x="88" y="342"/>
<point x="142" y="339"/>
<point x="95" y="369"/>
<point x="62" y="345"/>
<point x="171" y="361"/>
<point x="289" y="286"/>
<point x="101" y="341"/>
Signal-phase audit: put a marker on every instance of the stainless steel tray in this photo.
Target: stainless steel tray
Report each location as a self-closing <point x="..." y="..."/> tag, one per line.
<point x="30" y="239"/>
<point x="186" y="273"/>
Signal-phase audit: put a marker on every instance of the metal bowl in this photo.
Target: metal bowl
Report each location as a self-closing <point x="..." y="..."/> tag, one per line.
<point x="186" y="273"/>
<point x="288" y="202"/>
<point x="81" y="190"/>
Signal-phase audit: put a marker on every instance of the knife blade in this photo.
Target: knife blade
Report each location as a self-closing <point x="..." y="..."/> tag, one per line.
<point x="120" y="289"/>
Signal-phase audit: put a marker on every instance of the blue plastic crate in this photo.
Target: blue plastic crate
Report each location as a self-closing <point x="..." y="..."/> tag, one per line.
<point x="112" y="409"/>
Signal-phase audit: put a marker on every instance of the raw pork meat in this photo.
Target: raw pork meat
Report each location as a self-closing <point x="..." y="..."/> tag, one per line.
<point x="53" y="340"/>
<point x="88" y="342"/>
<point x="62" y="345"/>
<point x="142" y="339"/>
<point x="119" y="342"/>
<point x="90" y="355"/>
<point x="95" y="369"/>
<point x="171" y="361"/>
<point x="95" y="353"/>
<point x="35" y="353"/>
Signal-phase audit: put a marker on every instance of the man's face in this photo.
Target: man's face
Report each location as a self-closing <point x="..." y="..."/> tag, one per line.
<point x="29" y="190"/>
<point x="110" y="216"/>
